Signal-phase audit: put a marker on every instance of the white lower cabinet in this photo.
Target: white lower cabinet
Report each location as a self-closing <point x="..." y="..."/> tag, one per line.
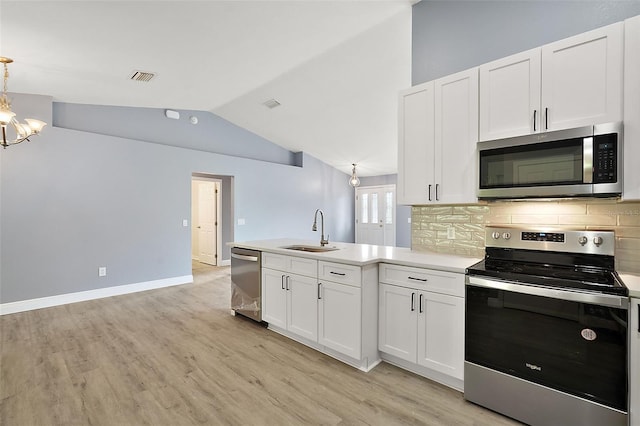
<point x="634" y="363"/>
<point x="290" y="302"/>
<point x="339" y="318"/>
<point x="421" y="321"/>
<point x="331" y="307"/>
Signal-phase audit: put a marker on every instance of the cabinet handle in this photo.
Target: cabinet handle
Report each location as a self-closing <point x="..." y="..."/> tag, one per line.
<point x="546" y="118"/>
<point x="535" y="113"/>
<point x="437" y="197"/>
<point x="420" y="303"/>
<point x="288" y="286"/>
<point x="282" y="281"/>
<point x="413" y="302"/>
<point x="319" y="287"/>
<point x="638" y="318"/>
<point x="424" y="280"/>
<point x="429" y="192"/>
<point x="337" y="273"/>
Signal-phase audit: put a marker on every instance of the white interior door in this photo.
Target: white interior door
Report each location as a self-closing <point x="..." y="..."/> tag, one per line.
<point x="205" y="221"/>
<point x="376" y="215"/>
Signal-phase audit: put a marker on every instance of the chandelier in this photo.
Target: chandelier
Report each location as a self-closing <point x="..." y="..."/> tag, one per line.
<point x="7" y="117"/>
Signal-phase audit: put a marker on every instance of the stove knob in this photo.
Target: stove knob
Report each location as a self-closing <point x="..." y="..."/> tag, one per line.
<point x="506" y="235"/>
<point x="597" y="241"/>
<point x="582" y="240"/>
<point x="496" y="235"/>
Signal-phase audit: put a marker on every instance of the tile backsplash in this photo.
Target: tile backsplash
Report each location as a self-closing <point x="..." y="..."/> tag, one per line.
<point x="433" y="226"/>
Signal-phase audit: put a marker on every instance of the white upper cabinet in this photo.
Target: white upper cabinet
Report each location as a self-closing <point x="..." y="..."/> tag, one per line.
<point x="573" y="82"/>
<point x="456" y="136"/>
<point x="631" y="147"/>
<point x="510" y="96"/>
<point x="582" y="79"/>
<point x="438" y="131"/>
<point x="415" y="144"/>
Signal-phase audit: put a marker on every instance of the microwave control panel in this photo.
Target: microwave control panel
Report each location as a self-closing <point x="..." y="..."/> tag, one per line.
<point x="605" y="158"/>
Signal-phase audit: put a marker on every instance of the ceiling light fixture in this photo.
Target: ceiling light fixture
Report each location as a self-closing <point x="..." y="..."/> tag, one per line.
<point x="353" y="180"/>
<point x="23" y="130"/>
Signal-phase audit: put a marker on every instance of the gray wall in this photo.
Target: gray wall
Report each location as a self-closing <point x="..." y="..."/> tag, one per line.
<point x="211" y="134"/>
<point x="73" y="201"/>
<point x="403" y="213"/>
<point x="451" y="36"/>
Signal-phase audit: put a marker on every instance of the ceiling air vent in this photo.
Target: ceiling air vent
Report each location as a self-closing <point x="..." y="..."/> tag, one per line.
<point x="271" y="103"/>
<point x="142" y="76"/>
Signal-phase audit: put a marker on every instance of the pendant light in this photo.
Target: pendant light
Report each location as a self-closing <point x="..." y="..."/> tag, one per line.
<point x="353" y="180"/>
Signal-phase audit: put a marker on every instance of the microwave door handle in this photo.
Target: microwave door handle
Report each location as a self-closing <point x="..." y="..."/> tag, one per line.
<point x="587" y="160"/>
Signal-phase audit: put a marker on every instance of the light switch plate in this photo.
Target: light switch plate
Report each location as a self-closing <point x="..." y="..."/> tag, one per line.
<point x="185" y="222"/>
<point x="241" y="221"/>
<point x="102" y="271"/>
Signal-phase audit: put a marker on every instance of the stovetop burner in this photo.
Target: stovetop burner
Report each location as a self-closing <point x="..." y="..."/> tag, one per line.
<point x="568" y="260"/>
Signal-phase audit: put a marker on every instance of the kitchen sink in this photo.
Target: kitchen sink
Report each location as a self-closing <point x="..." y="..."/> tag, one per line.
<point x="313" y="249"/>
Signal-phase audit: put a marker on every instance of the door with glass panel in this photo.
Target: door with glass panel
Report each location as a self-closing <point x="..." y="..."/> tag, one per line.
<point x="376" y="215"/>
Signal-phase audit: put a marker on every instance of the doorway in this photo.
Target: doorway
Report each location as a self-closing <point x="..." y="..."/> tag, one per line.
<point x="376" y="215"/>
<point x="205" y="220"/>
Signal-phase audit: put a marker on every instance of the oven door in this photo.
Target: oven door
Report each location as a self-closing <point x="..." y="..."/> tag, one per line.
<point x="572" y="342"/>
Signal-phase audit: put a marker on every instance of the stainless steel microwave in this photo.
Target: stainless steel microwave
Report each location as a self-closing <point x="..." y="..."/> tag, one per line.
<point x="579" y="162"/>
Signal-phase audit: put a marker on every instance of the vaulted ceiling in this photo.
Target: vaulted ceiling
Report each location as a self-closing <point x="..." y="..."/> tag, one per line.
<point x="335" y="67"/>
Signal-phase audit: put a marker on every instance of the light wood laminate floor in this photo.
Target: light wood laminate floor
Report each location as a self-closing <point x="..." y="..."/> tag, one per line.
<point x="175" y="356"/>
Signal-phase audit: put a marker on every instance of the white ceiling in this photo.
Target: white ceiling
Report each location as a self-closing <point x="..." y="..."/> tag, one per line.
<point x="335" y="66"/>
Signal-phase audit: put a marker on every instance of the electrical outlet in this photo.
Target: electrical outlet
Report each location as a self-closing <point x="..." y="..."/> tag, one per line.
<point x="185" y="222"/>
<point x="102" y="271"/>
<point x="241" y="221"/>
<point x="451" y="233"/>
<point x="408" y="220"/>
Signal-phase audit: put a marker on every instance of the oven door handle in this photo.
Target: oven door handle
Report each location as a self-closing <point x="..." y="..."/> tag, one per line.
<point x="573" y="296"/>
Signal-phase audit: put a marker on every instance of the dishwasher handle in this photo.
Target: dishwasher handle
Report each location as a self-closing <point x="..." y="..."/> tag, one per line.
<point x="244" y="257"/>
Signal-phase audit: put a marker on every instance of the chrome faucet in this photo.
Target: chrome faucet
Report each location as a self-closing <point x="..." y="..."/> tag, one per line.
<point x="323" y="242"/>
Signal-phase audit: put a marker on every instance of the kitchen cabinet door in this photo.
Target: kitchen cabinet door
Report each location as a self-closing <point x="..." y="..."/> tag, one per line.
<point x="634" y="363"/>
<point x="340" y="319"/>
<point x="510" y="96"/>
<point x="631" y="145"/>
<point x="274" y="298"/>
<point x="397" y="321"/>
<point x="456" y="136"/>
<point x="416" y="144"/>
<point x="302" y="318"/>
<point x="441" y="333"/>
<point x="582" y="79"/>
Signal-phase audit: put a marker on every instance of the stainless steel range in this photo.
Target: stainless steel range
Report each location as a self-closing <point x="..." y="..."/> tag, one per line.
<point x="546" y="328"/>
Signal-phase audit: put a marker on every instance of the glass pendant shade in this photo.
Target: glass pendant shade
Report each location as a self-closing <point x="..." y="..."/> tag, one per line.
<point x="354" y="180"/>
<point x="5" y="116"/>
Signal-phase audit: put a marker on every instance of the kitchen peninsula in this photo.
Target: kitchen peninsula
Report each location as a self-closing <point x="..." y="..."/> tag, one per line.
<point x="362" y="304"/>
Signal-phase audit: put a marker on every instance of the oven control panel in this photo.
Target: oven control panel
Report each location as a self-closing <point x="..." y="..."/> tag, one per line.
<point x="571" y="241"/>
<point x="557" y="237"/>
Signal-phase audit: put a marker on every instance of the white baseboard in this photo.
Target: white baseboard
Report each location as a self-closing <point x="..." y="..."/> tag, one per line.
<point x="81" y="296"/>
<point x="226" y="262"/>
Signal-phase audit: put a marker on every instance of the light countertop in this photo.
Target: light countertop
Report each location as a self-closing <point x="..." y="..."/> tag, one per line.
<point x="364" y="254"/>
<point x="633" y="284"/>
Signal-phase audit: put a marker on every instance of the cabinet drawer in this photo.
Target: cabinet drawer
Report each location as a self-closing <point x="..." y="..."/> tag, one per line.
<point x="340" y="273"/>
<point x="424" y="279"/>
<point x="291" y="264"/>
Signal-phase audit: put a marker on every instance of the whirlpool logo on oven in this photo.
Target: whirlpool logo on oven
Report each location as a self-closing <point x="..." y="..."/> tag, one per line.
<point x="533" y="367"/>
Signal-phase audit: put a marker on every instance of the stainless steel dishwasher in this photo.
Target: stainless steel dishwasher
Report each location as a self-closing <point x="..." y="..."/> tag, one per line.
<point x="246" y="283"/>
